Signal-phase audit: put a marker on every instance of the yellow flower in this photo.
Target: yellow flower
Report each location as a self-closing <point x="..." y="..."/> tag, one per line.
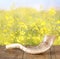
<point x="59" y="37"/>
<point x="20" y="39"/>
<point x="9" y="25"/>
<point x="33" y="24"/>
<point x="52" y="11"/>
<point x="23" y="25"/>
<point x="44" y="15"/>
<point x="12" y="34"/>
<point x="6" y="43"/>
<point x="43" y="23"/>
<point x="45" y="30"/>
<point x="22" y="32"/>
<point x="7" y="17"/>
<point x="41" y="31"/>
<point x="36" y="39"/>
<point x="29" y="18"/>
<point x="36" y="28"/>
<point x="58" y="21"/>
<point x="28" y="37"/>
<point x="5" y="30"/>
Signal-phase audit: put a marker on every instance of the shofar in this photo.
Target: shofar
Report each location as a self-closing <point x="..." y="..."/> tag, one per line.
<point x="42" y="47"/>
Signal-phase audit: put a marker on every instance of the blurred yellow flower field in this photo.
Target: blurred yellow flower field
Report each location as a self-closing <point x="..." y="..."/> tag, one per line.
<point x="28" y="26"/>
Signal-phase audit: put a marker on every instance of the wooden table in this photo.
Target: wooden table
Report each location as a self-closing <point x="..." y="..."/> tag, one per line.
<point x="53" y="53"/>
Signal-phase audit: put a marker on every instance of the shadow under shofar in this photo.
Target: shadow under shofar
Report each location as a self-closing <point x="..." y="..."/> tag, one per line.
<point x="42" y="47"/>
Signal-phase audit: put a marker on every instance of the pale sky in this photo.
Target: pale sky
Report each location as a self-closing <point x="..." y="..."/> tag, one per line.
<point x="6" y="4"/>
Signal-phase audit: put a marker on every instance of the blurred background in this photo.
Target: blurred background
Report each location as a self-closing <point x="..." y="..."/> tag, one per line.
<point x="28" y="21"/>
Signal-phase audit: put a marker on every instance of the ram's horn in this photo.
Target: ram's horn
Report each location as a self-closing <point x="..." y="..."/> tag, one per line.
<point x="42" y="47"/>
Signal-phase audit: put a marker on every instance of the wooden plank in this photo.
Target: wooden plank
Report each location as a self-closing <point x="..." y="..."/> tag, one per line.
<point x="10" y="54"/>
<point x="30" y="56"/>
<point x="45" y="55"/>
<point x="57" y="52"/>
<point x="52" y="52"/>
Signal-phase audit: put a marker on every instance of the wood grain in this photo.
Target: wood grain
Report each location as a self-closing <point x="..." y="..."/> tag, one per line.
<point x="53" y="53"/>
